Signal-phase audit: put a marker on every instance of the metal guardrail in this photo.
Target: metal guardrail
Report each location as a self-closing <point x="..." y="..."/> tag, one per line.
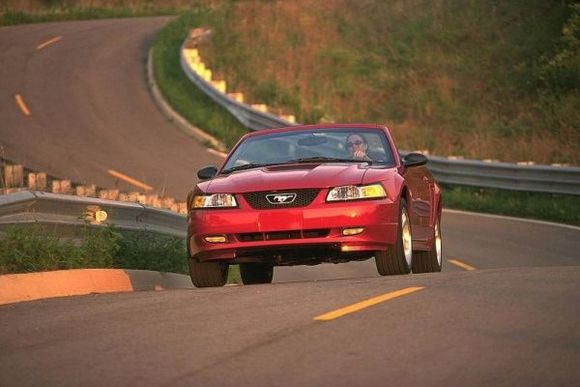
<point x="34" y="207"/>
<point x="536" y="178"/>
<point x="249" y="117"/>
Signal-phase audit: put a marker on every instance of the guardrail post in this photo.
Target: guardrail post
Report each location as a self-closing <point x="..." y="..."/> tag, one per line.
<point x="37" y="181"/>
<point x="109" y="194"/>
<point x="13" y="176"/>
<point x="87" y="190"/>
<point x="152" y="200"/>
<point x="61" y="187"/>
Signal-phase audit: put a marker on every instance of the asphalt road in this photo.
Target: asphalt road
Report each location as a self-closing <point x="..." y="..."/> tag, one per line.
<point x="492" y="327"/>
<point x="514" y="320"/>
<point x="90" y="107"/>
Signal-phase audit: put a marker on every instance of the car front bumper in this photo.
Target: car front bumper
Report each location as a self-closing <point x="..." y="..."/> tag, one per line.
<point x="290" y="232"/>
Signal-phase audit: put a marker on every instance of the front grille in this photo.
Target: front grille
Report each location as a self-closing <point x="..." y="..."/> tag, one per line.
<point x="258" y="200"/>
<point x="281" y="235"/>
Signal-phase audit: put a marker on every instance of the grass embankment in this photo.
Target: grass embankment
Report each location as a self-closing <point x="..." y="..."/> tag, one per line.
<point x="481" y="79"/>
<point x="34" y="248"/>
<point x="179" y="91"/>
<point x="554" y="208"/>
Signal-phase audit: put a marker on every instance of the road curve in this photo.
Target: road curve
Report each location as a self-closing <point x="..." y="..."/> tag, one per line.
<point x="90" y="107"/>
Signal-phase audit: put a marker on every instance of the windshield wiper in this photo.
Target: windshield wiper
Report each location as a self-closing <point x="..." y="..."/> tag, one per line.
<point x="327" y="160"/>
<point x="242" y="167"/>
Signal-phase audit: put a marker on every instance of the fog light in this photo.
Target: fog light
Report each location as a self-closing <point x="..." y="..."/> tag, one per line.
<point x="216" y="239"/>
<point x="352" y="231"/>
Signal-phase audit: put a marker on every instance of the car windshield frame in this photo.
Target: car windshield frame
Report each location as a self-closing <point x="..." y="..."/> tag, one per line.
<point x="316" y="145"/>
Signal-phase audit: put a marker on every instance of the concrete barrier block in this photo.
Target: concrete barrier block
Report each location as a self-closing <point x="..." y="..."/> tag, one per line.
<point x="13" y="176"/>
<point x="180" y="207"/>
<point x="37" y="181"/>
<point x="87" y="190"/>
<point x="133" y="197"/>
<point x="109" y="194"/>
<point x="219" y="86"/>
<point x="55" y="186"/>
<point x="236" y="96"/>
<point x="207" y="75"/>
<point x="142" y="198"/>
<point x="192" y="55"/>
<point x="199" y="68"/>
<point x="289" y="117"/>
<point x="168" y="203"/>
<point x="261" y="107"/>
<point x="61" y="187"/>
<point x="153" y="201"/>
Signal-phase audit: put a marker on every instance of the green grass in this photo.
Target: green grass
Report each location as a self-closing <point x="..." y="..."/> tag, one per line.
<point x="34" y="248"/>
<point x="549" y="207"/>
<point x="11" y="17"/>
<point x="234" y="276"/>
<point x="481" y="79"/>
<point x="31" y="248"/>
<point x="179" y="91"/>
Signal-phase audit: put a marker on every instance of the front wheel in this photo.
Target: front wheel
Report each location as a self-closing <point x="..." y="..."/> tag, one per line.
<point x="397" y="259"/>
<point x="208" y="274"/>
<point x="256" y="273"/>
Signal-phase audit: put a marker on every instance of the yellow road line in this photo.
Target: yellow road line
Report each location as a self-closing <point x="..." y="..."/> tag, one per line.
<point x="21" y="104"/>
<point x="462" y="265"/>
<point x="48" y="42"/>
<point x="130" y="180"/>
<point x="365" y="304"/>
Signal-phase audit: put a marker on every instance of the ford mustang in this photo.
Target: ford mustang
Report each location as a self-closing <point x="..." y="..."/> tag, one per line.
<point x="310" y="194"/>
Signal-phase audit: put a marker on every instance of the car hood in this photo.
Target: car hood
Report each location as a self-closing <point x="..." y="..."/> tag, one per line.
<point x="283" y="177"/>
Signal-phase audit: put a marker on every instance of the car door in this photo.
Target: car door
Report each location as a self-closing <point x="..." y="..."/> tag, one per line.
<point x="419" y="181"/>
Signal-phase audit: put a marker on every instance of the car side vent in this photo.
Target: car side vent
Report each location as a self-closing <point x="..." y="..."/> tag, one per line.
<point x="281" y="199"/>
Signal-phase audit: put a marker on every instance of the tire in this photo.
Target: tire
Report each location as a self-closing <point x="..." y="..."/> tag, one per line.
<point x="430" y="261"/>
<point x="208" y="274"/>
<point x="256" y="273"/>
<point x="397" y="259"/>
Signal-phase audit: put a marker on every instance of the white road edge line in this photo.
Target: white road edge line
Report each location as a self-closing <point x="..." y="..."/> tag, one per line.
<point x="542" y="222"/>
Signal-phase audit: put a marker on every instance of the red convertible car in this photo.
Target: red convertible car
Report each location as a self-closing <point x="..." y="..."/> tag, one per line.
<point x="310" y="194"/>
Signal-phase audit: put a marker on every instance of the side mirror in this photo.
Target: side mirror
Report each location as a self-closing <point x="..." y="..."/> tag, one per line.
<point x="207" y="172"/>
<point x="414" y="160"/>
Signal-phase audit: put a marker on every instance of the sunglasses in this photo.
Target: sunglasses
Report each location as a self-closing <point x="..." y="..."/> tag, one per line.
<point x="351" y="144"/>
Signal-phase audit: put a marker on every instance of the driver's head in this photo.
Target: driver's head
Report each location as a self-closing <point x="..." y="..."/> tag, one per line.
<point x="356" y="142"/>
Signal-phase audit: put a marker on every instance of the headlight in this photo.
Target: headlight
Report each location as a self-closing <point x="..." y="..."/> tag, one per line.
<point x="219" y="200"/>
<point x="353" y="192"/>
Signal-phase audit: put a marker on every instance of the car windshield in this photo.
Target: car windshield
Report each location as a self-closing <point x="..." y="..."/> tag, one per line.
<point x="328" y="145"/>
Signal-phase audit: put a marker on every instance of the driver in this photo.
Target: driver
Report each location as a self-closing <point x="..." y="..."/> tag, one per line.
<point x="357" y="146"/>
